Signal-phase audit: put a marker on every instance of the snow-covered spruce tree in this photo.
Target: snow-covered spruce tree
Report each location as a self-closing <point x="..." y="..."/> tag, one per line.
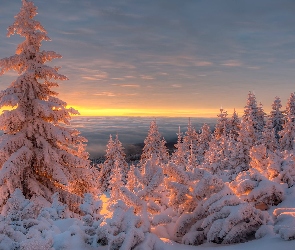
<point x="123" y="230"/>
<point x="116" y="183"/>
<point x="178" y="156"/>
<point x="132" y="181"/>
<point x="22" y="228"/>
<point x="287" y="134"/>
<point x="37" y="154"/>
<point x="276" y="116"/>
<point x="114" y="153"/>
<point x="234" y="125"/>
<point x="218" y="157"/>
<point x="222" y="125"/>
<point x="190" y="149"/>
<point x="278" y="166"/>
<point x="179" y="184"/>
<point x="252" y="186"/>
<point x="92" y="219"/>
<point x="148" y="199"/>
<point x="220" y="216"/>
<point x="269" y="139"/>
<point x="203" y="143"/>
<point x="254" y="116"/>
<point x="154" y="144"/>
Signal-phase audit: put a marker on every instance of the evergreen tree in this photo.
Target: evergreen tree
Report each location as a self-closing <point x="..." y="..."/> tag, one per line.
<point x="178" y="156"/>
<point x="254" y="117"/>
<point x="287" y="134"/>
<point x="116" y="182"/>
<point x="203" y="143"/>
<point x="234" y="125"/>
<point x="114" y="153"/>
<point x="219" y="217"/>
<point x="149" y="199"/>
<point x="276" y="117"/>
<point x="252" y="186"/>
<point x="154" y="145"/>
<point x="269" y="139"/>
<point x="37" y="153"/>
<point x="222" y="125"/>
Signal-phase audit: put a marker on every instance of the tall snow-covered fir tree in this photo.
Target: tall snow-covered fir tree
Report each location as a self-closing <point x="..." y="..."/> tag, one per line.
<point x="221" y="124"/>
<point x="114" y="153"/>
<point x="234" y="125"/>
<point x="154" y="144"/>
<point x="38" y="154"/>
<point x="276" y="116"/>
<point x="287" y="134"/>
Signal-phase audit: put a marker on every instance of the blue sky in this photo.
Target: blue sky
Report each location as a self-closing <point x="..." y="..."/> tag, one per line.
<point x="181" y="58"/>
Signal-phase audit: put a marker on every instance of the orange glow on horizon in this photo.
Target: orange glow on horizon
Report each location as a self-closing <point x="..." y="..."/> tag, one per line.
<point x="93" y="111"/>
<point x="207" y="113"/>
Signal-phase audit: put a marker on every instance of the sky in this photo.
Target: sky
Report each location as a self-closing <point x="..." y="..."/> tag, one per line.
<point x="181" y="58"/>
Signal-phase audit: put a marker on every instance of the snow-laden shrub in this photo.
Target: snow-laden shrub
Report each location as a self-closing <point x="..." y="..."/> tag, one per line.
<point x="285" y="223"/>
<point x="21" y="228"/>
<point x="180" y="185"/>
<point x="251" y="186"/>
<point x="57" y="210"/>
<point x="220" y="216"/>
<point x="91" y="218"/>
<point x="123" y="230"/>
<point x="149" y="198"/>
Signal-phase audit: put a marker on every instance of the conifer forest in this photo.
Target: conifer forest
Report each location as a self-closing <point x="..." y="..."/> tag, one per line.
<point x="228" y="188"/>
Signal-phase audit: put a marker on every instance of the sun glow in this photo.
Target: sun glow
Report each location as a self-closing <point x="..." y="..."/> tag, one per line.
<point x="146" y="112"/>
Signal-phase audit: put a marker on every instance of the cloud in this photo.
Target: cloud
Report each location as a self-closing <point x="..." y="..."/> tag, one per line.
<point x="108" y="94"/>
<point x="146" y="77"/>
<point x="130" y="85"/>
<point x="176" y="85"/>
<point x="232" y="63"/>
<point x="203" y="64"/>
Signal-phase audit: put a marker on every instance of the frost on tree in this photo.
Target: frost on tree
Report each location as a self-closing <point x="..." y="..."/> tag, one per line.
<point x="234" y="125"/>
<point x="203" y="143"/>
<point x="154" y="144"/>
<point x="180" y="184"/>
<point x="220" y="216"/>
<point x="92" y="218"/>
<point x="37" y="154"/>
<point x="22" y="228"/>
<point x="179" y="157"/>
<point x="148" y="199"/>
<point x="123" y="230"/>
<point x="116" y="183"/>
<point x="287" y="134"/>
<point x="222" y="125"/>
<point x="276" y="117"/>
<point x="190" y="147"/>
<point x="251" y="186"/>
<point x="114" y="154"/>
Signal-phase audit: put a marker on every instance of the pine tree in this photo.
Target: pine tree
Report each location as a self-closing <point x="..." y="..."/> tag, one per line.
<point x="116" y="182"/>
<point x="269" y="139"/>
<point x="149" y="199"/>
<point x="234" y="125"/>
<point x="114" y="153"/>
<point x="220" y="216"/>
<point x="287" y="134"/>
<point x="37" y="153"/>
<point x="276" y="116"/>
<point x="203" y="143"/>
<point x="190" y="141"/>
<point x="178" y="156"/>
<point x="254" y="116"/>
<point x="154" y="145"/>
<point x="221" y="125"/>
<point x="252" y="186"/>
